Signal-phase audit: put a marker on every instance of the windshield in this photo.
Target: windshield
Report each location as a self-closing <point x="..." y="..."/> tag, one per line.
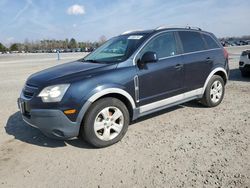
<point x="117" y="49"/>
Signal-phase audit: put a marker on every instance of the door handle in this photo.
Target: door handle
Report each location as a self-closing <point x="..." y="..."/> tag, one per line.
<point x="178" y="66"/>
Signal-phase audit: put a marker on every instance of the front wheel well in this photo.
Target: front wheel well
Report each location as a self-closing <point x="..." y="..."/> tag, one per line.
<point x="122" y="99"/>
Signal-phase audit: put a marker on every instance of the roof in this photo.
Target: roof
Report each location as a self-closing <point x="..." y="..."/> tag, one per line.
<point x="158" y="29"/>
<point x="138" y="32"/>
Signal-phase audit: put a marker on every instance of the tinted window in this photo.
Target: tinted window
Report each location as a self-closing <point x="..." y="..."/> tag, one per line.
<point x="163" y="45"/>
<point x="191" y="41"/>
<point x="210" y="42"/>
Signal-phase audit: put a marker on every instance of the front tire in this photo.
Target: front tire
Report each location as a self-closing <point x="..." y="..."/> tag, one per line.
<point x="105" y="123"/>
<point x="214" y="92"/>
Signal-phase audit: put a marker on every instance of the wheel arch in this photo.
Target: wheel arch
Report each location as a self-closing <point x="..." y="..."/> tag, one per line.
<point x="223" y="75"/>
<point x="118" y="93"/>
<point x="123" y="99"/>
<point x="217" y="71"/>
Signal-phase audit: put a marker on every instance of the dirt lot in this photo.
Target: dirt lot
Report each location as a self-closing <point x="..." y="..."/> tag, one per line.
<point x="185" y="146"/>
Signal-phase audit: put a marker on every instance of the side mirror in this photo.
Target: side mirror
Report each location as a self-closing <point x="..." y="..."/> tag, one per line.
<point x="149" y="57"/>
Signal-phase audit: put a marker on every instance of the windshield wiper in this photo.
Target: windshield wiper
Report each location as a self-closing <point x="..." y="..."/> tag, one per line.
<point x="91" y="60"/>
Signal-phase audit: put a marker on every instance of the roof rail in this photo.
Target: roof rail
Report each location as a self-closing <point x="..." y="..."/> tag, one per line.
<point x="176" y="26"/>
<point x="197" y="28"/>
<point x="166" y="27"/>
<point x="130" y="31"/>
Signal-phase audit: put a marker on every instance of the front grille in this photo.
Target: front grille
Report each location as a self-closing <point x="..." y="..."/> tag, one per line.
<point x="28" y="94"/>
<point x="31" y="85"/>
<point x="29" y="91"/>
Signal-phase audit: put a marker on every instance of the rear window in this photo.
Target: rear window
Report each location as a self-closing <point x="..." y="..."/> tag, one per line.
<point x="191" y="41"/>
<point x="210" y="42"/>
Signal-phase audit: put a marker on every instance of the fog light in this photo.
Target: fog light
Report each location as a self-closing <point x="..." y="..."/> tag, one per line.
<point x="71" y="111"/>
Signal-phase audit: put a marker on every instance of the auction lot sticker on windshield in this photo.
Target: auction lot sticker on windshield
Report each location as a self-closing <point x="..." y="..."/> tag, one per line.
<point x="135" y="37"/>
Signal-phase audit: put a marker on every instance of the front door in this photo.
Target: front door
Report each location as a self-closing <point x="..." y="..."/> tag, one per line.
<point x="162" y="79"/>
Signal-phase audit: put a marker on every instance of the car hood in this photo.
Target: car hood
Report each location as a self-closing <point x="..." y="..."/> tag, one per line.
<point x="67" y="72"/>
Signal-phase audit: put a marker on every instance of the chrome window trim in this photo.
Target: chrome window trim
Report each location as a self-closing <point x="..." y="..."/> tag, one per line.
<point x="175" y="30"/>
<point x="189" y="53"/>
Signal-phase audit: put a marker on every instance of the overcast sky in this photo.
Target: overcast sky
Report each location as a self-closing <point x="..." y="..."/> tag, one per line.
<point x="88" y="20"/>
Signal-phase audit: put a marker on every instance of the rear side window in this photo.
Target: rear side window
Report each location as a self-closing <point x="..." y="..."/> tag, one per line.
<point x="210" y="42"/>
<point x="163" y="45"/>
<point x="191" y="41"/>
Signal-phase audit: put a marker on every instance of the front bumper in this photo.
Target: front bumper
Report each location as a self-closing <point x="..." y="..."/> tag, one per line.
<point x="245" y="68"/>
<point x="53" y="123"/>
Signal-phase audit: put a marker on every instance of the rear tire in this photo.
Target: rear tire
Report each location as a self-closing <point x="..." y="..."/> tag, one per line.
<point x="214" y="92"/>
<point x="105" y="123"/>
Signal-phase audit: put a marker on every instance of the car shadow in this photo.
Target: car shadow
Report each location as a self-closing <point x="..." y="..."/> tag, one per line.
<point x="155" y="114"/>
<point x="235" y="75"/>
<point x="22" y="131"/>
<point x="192" y="104"/>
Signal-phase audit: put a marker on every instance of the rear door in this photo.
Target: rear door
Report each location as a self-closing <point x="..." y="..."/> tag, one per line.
<point x="197" y="61"/>
<point x="215" y="51"/>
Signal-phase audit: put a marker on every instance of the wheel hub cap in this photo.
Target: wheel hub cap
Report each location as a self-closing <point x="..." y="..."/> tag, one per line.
<point x="216" y="91"/>
<point x="108" y="123"/>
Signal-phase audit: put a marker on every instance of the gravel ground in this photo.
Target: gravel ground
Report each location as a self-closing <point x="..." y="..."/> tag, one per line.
<point x="184" y="146"/>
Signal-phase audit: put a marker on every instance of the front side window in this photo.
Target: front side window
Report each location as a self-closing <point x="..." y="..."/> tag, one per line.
<point x="191" y="41"/>
<point x="210" y="42"/>
<point x="163" y="45"/>
<point x="117" y="49"/>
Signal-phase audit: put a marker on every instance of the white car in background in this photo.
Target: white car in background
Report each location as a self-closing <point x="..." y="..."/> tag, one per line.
<point x="245" y="63"/>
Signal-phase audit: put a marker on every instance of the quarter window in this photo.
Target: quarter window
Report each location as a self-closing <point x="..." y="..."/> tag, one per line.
<point x="191" y="41"/>
<point x="163" y="45"/>
<point x="210" y="42"/>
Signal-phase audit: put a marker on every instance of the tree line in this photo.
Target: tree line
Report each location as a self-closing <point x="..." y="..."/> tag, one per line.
<point x="246" y="37"/>
<point x="48" y="45"/>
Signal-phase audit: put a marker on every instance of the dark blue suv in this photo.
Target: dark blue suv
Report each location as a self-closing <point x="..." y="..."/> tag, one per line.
<point x="131" y="75"/>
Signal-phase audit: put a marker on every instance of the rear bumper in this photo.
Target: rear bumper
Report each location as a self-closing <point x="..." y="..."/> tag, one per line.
<point x="52" y="123"/>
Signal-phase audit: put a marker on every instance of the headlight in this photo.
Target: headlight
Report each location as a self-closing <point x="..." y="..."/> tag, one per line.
<point x="53" y="93"/>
